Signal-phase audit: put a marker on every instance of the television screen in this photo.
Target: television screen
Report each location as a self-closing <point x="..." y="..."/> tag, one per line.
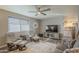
<point x="52" y="28"/>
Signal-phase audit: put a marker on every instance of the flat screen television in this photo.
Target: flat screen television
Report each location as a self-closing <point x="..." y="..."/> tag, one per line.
<point x="52" y="28"/>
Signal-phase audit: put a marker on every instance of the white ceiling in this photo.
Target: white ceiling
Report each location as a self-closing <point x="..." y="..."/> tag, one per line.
<point x="56" y="10"/>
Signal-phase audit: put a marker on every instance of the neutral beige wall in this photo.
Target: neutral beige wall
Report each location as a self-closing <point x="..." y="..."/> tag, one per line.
<point x="3" y="27"/>
<point x="4" y="23"/>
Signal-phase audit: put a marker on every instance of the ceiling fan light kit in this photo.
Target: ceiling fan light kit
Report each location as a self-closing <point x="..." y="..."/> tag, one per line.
<point x="40" y="11"/>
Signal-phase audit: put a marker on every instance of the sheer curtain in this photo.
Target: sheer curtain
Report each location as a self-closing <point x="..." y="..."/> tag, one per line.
<point x="17" y="25"/>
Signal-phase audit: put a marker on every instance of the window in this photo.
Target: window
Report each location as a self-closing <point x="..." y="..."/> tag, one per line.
<point x="17" y="25"/>
<point x="24" y="25"/>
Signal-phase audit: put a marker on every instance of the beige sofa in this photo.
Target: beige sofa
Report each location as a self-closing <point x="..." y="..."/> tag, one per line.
<point x="13" y="36"/>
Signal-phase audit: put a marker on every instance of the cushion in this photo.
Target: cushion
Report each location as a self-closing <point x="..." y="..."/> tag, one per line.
<point x="11" y="46"/>
<point x="17" y="42"/>
<point x="23" y="42"/>
<point x="23" y="37"/>
<point x="72" y="43"/>
<point x="61" y="47"/>
<point x="76" y="45"/>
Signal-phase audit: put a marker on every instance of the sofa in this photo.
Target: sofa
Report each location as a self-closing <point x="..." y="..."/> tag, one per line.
<point x="16" y="40"/>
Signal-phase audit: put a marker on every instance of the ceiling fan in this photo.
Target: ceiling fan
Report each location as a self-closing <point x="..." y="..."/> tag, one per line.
<point x="39" y="11"/>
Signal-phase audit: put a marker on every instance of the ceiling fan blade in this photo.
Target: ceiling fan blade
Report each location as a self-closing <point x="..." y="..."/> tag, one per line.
<point x="43" y="13"/>
<point x="46" y="10"/>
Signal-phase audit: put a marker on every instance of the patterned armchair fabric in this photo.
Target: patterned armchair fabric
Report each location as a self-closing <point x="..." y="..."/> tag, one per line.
<point x="75" y="48"/>
<point x="11" y="46"/>
<point x="66" y="45"/>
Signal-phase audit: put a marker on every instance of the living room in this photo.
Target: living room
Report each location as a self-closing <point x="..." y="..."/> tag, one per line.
<point x="38" y="28"/>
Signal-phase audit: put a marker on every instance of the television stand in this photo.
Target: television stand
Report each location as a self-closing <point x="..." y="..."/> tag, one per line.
<point x="53" y="35"/>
